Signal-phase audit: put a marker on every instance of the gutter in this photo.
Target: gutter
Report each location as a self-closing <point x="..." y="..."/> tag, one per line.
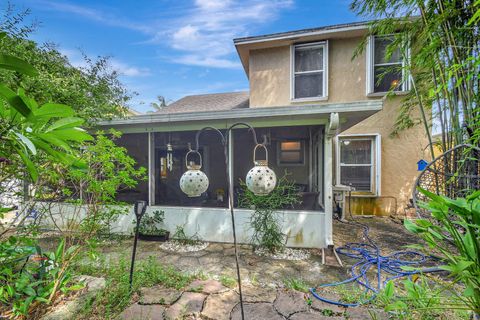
<point x="248" y="113"/>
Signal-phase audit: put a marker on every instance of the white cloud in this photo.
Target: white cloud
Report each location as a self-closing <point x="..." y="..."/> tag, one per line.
<point x="128" y="70"/>
<point x="75" y="58"/>
<point x="204" y="35"/>
<point x="92" y="14"/>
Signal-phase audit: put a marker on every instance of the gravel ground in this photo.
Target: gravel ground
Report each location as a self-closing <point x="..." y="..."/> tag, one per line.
<point x="176" y="246"/>
<point x="287" y="254"/>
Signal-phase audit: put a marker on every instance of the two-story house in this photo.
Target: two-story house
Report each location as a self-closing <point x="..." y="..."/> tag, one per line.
<point x="325" y="121"/>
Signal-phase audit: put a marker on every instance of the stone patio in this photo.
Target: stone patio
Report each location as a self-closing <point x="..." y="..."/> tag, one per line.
<point x="218" y="259"/>
<point x="262" y="278"/>
<point x="210" y="300"/>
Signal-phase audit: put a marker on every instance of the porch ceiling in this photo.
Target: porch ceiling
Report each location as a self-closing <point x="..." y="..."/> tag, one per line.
<point x="315" y="114"/>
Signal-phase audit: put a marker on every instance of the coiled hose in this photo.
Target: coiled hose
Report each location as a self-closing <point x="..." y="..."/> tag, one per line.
<point x="369" y="258"/>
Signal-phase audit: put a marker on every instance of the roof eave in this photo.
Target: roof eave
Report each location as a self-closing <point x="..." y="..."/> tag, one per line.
<point x="248" y="113"/>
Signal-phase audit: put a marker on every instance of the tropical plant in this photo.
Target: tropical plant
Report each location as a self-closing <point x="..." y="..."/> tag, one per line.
<point x="109" y="170"/>
<point x="454" y="232"/>
<point x="264" y="222"/>
<point x="421" y="297"/>
<point x="26" y="127"/>
<point x="91" y="87"/>
<point x="30" y="277"/>
<point x="158" y="106"/>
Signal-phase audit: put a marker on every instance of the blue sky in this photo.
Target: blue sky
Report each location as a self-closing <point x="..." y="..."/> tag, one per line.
<point x="173" y="48"/>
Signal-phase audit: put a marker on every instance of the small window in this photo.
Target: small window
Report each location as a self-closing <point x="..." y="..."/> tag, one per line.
<point x="309" y="71"/>
<point x="386" y="70"/>
<point x="359" y="163"/>
<point x="291" y="153"/>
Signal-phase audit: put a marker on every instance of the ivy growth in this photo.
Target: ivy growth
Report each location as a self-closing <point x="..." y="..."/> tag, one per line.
<point x="265" y="223"/>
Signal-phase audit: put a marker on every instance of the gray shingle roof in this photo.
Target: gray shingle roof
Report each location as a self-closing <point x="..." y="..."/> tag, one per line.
<point x="209" y="102"/>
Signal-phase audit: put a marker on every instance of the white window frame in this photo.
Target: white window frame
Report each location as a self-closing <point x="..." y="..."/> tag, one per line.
<point x="376" y="162"/>
<point x="370" y="78"/>
<point x="324" y="45"/>
<point x="302" y="152"/>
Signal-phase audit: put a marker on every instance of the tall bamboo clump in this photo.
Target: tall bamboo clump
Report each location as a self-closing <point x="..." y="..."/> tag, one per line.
<point x="440" y="42"/>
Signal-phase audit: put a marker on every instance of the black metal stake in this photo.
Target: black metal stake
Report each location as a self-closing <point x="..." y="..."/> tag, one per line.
<point x="139" y="208"/>
<point x="226" y="142"/>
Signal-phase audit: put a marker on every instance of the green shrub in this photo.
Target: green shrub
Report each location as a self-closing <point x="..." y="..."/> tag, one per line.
<point x="150" y="223"/>
<point x="267" y="229"/>
<point x="454" y="232"/>
<point x="30" y="277"/>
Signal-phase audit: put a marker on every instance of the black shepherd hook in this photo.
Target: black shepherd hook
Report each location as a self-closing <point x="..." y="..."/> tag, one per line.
<point x="225" y="142"/>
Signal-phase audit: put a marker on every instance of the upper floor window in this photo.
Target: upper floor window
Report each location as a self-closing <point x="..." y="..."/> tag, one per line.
<point x="309" y="71"/>
<point x="386" y="70"/>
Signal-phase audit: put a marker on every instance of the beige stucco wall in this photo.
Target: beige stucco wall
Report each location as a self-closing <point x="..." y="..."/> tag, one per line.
<point x="269" y="75"/>
<point x="399" y="156"/>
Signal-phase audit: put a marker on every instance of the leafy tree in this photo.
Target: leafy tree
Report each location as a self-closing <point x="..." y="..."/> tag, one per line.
<point x="157" y="106"/>
<point x="26" y="127"/>
<point x="94" y="90"/>
<point x="444" y="64"/>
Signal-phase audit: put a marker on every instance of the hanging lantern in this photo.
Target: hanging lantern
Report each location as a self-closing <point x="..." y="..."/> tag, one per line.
<point x="261" y="180"/>
<point x="169" y="157"/>
<point x="193" y="182"/>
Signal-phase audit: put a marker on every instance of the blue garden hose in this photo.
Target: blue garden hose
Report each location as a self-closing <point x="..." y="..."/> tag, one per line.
<point x="369" y="258"/>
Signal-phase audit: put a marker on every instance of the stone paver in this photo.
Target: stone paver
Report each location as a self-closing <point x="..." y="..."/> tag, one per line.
<point x="206" y="286"/>
<point x="289" y="302"/>
<point x="189" y="302"/>
<point x="139" y="312"/>
<point x="258" y="294"/>
<point x="218" y="306"/>
<point x="256" y="311"/>
<point x="159" y="295"/>
<point x="319" y="305"/>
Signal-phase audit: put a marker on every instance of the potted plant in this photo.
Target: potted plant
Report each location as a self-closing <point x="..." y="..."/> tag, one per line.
<point x="150" y="227"/>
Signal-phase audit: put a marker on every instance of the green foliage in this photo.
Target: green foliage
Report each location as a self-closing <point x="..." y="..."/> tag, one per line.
<point x="421" y="297"/>
<point x="26" y="127"/>
<point x="110" y="169"/>
<point x="227" y="281"/>
<point x="444" y="63"/>
<point x="454" y="232"/>
<point x="150" y="223"/>
<point x="30" y="277"/>
<point x="181" y="237"/>
<point x="296" y="284"/>
<point x="117" y="295"/>
<point x="93" y="90"/>
<point x="267" y="229"/>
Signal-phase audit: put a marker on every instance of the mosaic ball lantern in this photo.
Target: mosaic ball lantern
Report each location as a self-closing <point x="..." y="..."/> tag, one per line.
<point x="261" y="180"/>
<point x="194" y="182"/>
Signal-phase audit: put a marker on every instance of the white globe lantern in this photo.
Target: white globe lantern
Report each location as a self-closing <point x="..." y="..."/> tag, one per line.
<point x="261" y="180"/>
<point x="194" y="182"/>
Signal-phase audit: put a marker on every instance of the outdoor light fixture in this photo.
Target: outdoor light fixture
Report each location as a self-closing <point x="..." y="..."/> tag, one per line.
<point x="261" y="180"/>
<point x="193" y="182"/>
<point x="169" y="157"/>
<point x="139" y="209"/>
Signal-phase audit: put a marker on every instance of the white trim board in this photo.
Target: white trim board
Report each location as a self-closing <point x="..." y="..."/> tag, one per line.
<point x="376" y="160"/>
<point x="250" y="113"/>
